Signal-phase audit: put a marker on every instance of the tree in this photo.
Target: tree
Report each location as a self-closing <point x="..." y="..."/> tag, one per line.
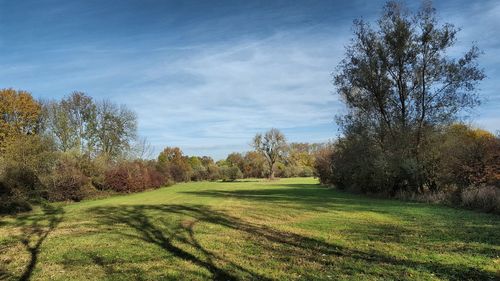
<point x="72" y="121"/>
<point x="116" y="128"/>
<point x="272" y="145"/>
<point x="81" y="112"/>
<point x="56" y="122"/>
<point x="230" y="173"/>
<point x="19" y="114"/>
<point x="172" y="162"/>
<point x="253" y="165"/>
<point x="400" y="86"/>
<point x="235" y="159"/>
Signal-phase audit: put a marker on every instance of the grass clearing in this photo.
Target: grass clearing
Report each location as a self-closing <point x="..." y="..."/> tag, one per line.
<point x="290" y="229"/>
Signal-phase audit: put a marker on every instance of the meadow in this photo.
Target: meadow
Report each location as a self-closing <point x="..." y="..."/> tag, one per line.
<point x="287" y="229"/>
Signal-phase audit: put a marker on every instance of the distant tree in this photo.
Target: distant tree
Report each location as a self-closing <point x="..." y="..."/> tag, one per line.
<point x="141" y="149"/>
<point x="116" y="128"/>
<point x="230" y="173"/>
<point x="72" y="121"/>
<point x="199" y="171"/>
<point x="253" y="165"/>
<point x="82" y="112"/>
<point x="272" y="145"/>
<point x="399" y="85"/>
<point x="172" y="162"/>
<point x="235" y="159"/>
<point x="56" y="122"/>
<point x="19" y="114"/>
<point x="301" y="156"/>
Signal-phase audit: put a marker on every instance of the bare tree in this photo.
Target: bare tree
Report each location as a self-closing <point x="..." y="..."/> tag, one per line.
<point x="272" y="145"/>
<point x="141" y="149"/>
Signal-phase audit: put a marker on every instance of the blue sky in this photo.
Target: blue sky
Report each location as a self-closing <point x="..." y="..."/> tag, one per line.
<point x="208" y="75"/>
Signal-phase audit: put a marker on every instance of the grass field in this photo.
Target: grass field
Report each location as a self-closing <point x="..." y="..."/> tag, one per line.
<point x="291" y="229"/>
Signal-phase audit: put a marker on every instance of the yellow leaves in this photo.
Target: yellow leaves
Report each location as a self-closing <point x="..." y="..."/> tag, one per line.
<point x="19" y="113"/>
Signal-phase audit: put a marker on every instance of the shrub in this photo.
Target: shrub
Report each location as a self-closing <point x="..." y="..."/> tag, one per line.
<point x="213" y="172"/>
<point x="230" y="173"/>
<point x="468" y="157"/>
<point x="133" y="176"/>
<point x="306" y="171"/>
<point x="18" y="188"/>
<point x="323" y="166"/>
<point x="486" y="198"/>
<point x="21" y="183"/>
<point x="68" y="181"/>
<point x="12" y="205"/>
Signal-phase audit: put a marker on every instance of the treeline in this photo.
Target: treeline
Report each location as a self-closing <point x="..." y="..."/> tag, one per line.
<point x="404" y="96"/>
<point x="77" y="148"/>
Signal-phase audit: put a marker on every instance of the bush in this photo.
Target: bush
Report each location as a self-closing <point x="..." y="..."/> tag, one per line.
<point x="68" y="181"/>
<point x="21" y="183"/>
<point x="306" y="171"/>
<point x="230" y="173"/>
<point x="468" y="157"/>
<point x="12" y="205"/>
<point x="213" y="172"/>
<point x="323" y="166"/>
<point x="133" y="176"/>
<point x="18" y="189"/>
<point x="486" y="198"/>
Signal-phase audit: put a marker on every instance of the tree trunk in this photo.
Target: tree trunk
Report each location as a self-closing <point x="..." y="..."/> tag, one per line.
<point x="271" y="171"/>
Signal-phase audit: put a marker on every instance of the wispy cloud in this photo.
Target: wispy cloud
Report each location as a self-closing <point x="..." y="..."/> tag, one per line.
<point x="208" y="78"/>
<point x="233" y="90"/>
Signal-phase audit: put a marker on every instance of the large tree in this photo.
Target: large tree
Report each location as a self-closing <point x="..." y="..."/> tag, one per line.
<point x="400" y="84"/>
<point x="272" y="145"/>
<point x="92" y="128"/>
<point x="72" y="121"/>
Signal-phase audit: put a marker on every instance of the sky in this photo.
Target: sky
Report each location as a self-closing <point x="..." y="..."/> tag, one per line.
<point x="208" y="75"/>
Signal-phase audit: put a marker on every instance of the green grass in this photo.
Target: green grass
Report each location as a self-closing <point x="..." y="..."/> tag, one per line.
<point x="291" y="229"/>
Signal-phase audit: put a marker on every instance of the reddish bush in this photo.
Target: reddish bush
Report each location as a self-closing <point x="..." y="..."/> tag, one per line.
<point x="133" y="176"/>
<point x="69" y="183"/>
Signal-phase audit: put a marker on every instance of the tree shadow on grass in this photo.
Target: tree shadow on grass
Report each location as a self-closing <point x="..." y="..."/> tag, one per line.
<point x="5" y="274"/>
<point x="35" y="230"/>
<point x="137" y="218"/>
<point x="314" y="197"/>
<point x="284" y="247"/>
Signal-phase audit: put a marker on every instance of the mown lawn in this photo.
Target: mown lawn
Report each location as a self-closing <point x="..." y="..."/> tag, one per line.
<point x="291" y="229"/>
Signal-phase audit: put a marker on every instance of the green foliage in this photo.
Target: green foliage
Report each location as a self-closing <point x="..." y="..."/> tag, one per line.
<point x="79" y="123"/>
<point x="25" y="168"/>
<point x="231" y="173"/>
<point x="401" y="88"/>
